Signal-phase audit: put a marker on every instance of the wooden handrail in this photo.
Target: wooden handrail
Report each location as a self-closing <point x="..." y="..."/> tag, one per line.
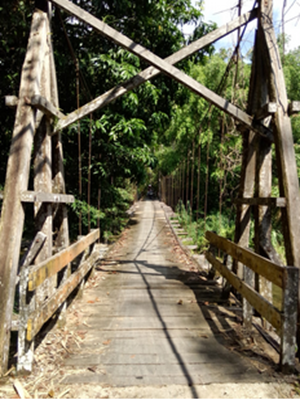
<point x="285" y="321"/>
<point x="54" y="264"/>
<point x="261" y="265"/>
<point x="266" y="309"/>
<point x="37" y="319"/>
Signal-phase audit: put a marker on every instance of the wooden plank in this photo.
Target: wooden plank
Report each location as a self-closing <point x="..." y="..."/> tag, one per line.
<point x="260" y="265"/>
<point x="42" y="104"/>
<point x="255" y="299"/>
<point x="151" y="72"/>
<point x="290" y="311"/>
<point x="262" y="201"/>
<point x="40" y="316"/>
<point x="11" y="101"/>
<point x="294" y="108"/>
<point x="54" y="264"/>
<point x="31" y="196"/>
<point x="17" y="175"/>
<point x="165" y="67"/>
<point x="265" y="111"/>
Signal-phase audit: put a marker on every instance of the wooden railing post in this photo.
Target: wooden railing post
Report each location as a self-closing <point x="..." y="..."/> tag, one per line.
<point x="17" y="175"/>
<point x="288" y="347"/>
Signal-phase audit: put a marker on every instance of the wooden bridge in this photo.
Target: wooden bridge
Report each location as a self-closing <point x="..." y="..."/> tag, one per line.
<point x="52" y="269"/>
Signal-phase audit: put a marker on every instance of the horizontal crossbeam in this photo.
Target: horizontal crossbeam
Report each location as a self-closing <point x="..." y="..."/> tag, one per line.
<point x="263" y="201"/>
<point x="30" y="197"/>
<point x="151" y="72"/>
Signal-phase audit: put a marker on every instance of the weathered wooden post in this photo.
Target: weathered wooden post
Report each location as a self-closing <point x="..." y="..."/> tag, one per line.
<point x="284" y="143"/>
<point x="12" y="215"/>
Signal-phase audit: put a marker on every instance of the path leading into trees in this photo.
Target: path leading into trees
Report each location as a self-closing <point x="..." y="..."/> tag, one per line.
<point x="148" y="326"/>
<point x="147" y="321"/>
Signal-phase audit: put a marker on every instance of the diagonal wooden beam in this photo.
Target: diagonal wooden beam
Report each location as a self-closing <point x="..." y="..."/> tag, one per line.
<point x="151" y="72"/>
<point x="45" y="106"/>
<point x="140" y="51"/>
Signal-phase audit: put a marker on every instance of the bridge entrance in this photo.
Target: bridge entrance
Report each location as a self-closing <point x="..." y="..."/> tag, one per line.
<point x="47" y="277"/>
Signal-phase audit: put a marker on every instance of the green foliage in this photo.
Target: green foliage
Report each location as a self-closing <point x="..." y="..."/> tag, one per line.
<point x="223" y="225"/>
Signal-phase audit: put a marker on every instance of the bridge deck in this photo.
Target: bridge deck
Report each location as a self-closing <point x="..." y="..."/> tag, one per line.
<point x="145" y="322"/>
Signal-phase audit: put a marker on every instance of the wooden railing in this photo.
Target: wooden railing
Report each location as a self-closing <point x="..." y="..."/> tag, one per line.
<point x="33" y="313"/>
<point x="284" y="321"/>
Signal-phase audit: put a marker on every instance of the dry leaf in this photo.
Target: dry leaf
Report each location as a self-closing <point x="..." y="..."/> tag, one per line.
<point x="180" y="302"/>
<point x="92" y="369"/>
<point x="106" y="342"/>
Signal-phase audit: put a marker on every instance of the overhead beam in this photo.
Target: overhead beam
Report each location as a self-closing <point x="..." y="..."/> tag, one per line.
<point x="262" y="201"/>
<point x="140" y="51"/>
<point x="30" y="197"/>
<point x="151" y="72"/>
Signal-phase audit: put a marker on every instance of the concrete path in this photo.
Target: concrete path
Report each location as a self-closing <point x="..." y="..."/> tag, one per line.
<point x="146" y="322"/>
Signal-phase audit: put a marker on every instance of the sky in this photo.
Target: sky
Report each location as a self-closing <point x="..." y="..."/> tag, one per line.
<point x="223" y="11"/>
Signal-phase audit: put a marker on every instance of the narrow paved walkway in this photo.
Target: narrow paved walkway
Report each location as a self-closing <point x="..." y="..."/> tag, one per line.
<point x="144" y="322"/>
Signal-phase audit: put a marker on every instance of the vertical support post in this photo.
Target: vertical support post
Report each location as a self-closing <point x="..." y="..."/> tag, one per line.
<point x="263" y="175"/>
<point x="99" y="208"/>
<point x="43" y="176"/>
<point x="60" y="220"/>
<point x="187" y="179"/>
<point x="192" y="176"/>
<point x="17" y="175"/>
<point x="289" y="310"/>
<point x="182" y="187"/>
<point x="284" y="144"/>
<point x="242" y="231"/>
<point x="199" y="175"/>
<point x="79" y="148"/>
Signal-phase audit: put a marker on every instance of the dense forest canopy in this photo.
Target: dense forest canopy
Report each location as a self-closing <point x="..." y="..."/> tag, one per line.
<point x="152" y="130"/>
